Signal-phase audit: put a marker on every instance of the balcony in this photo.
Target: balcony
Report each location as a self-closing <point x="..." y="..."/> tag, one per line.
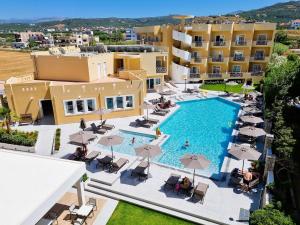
<point x="195" y="75"/>
<point x="236" y="74"/>
<point x="262" y="43"/>
<point x="238" y="58"/>
<point x="179" y="72"/>
<point x="219" y="44"/>
<point x="239" y="43"/>
<point x="161" y="69"/>
<point x="196" y="60"/>
<point x="257" y="73"/>
<point x="200" y="44"/>
<point x="214" y="75"/>
<point x="217" y="59"/>
<point x="183" y="37"/>
<point x="185" y="55"/>
<point x="259" y="58"/>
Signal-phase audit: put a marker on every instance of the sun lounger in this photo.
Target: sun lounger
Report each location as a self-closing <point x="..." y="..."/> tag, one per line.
<point x="106" y="126"/>
<point x="97" y="130"/>
<point x="143" y="123"/>
<point x="116" y="166"/>
<point x="140" y="169"/>
<point x="172" y="181"/>
<point x="91" y="156"/>
<point x="158" y="112"/>
<point x="174" y="85"/>
<point x="104" y="162"/>
<point x="151" y="120"/>
<point x="161" y="109"/>
<point x="200" y="191"/>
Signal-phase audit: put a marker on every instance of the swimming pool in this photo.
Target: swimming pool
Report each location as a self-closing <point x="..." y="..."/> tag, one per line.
<point x="207" y="125"/>
<point x="127" y="147"/>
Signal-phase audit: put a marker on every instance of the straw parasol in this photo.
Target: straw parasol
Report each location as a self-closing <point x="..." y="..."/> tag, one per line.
<point x="147" y="106"/>
<point x="111" y="141"/>
<point x="243" y="152"/>
<point x="194" y="162"/>
<point x="252" y="131"/>
<point x="252" y="110"/>
<point x="82" y="124"/>
<point x="252" y="119"/>
<point x="148" y="151"/>
<point x="82" y="137"/>
<point x="101" y="112"/>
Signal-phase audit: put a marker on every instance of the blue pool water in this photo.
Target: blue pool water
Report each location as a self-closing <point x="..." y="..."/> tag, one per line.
<point x="207" y="125"/>
<point x="127" y="147"/>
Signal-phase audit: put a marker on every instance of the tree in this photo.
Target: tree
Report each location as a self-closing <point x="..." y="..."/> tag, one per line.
<point x="270" y="216"/>
<point x="280" y="48"/>
<point x="5" y="114"/>
<point x="281" y="37"/>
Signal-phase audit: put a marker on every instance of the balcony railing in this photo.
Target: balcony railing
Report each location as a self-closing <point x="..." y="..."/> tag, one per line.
<point x="259" y="57"/>
<point x="198" y="43"/>
<point x="217" y="59"/>
<point x="238" y="58"/>
<point x="219" y="43"/>
<point x="257" y="73"/>
<point x="161" y="69"/>
<point x="194" y="75"/>
<point x="196" y="59"/>
<point x="215" y="75"/>
<point x="240" y="43"/>
<point x="236" y="74"/>
<point x="262" y="42"/>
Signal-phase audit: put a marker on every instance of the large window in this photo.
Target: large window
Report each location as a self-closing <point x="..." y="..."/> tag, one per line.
<point x="79" y="106"/>
<point x="119" y="102"/>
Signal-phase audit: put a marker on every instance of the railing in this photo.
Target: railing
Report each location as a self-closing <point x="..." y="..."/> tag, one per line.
<point x="183" y="37"/>
<point x="183" y="54"/>
<point x="238" y="58"/>
<point x="214" y="75"/>
<point x="259" y="57"/>
<point x="257" y="73"/>
<point x="217" y="59"/>
<point x="236" y="74"/>
<point x="198" y="43"/>
<point x="241" y="43"/>
<point x="194" y="75"/>
<point x="262" y="42"/>
<point x="161" y="69"/>
<point x="196" y="59"/>
<point x="219" y="43"/>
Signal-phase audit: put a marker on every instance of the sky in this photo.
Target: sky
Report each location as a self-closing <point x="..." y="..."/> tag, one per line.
<point x="28" y="9"/>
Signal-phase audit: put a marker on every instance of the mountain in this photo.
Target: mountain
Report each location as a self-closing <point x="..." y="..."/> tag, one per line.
<point x="32" y="21"/>
<point x="280" y="12"/>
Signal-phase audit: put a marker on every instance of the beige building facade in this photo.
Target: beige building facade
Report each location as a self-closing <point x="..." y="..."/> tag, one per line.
<point x="213" y="52"/>
<point x="69" y="84"/>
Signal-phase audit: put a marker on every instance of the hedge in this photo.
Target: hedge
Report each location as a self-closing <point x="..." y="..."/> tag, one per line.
<point x="57" y="139"/>
<point x="16" y="137"/>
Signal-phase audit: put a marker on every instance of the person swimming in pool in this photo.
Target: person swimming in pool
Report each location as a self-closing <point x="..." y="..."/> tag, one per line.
<point x="186" y="144"/>
<point x="133" y="140"/>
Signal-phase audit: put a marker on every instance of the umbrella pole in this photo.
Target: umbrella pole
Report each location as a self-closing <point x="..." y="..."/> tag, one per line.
<point x="147" y="113"/>
<point x="194" y="178"/>
<point x="112" y="152"/>
<point x="243" y="167"/>
<point x="148" y="165"/>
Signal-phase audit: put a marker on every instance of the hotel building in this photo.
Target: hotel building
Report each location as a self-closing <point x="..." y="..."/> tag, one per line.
<point x="213" y="52"/>
<point x="70" y="83"/>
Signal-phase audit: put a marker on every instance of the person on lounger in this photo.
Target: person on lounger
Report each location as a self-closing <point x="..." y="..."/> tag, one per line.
<point x="185" y="183"/>
<point x="247" y="177"/>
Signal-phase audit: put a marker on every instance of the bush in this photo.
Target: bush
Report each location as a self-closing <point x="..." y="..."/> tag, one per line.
<point x="57" y="139"/>
<point x="280" y="49"/>
<point x="269" y="216"/>
<point x="18" y="137"/>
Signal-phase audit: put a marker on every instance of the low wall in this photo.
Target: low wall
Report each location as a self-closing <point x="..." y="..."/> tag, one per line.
<point x="17" y="147"/>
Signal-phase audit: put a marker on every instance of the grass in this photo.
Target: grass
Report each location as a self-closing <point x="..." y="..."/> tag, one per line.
<point x="221" y="87"/>
<point x="128" y="214"/>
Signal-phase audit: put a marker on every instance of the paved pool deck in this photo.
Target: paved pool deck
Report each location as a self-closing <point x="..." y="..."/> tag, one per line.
<point x="223" y="204"/>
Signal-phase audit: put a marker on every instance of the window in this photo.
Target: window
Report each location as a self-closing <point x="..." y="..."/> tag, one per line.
<point x="129" y="101"/>
<point x="91" y="105"/>
<point x="257" y="68"/>
<point x="236" y="68"/>
<point x="109" y="103"/>
<point x="69" y="107"/>
<point x="157" y="81"/>
<point x="216" y="69"/>
<point x="119" y="102"/>
<point x="80" y="106"/>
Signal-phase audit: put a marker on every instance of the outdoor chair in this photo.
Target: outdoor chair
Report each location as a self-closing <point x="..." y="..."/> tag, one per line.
<point x="92" y="202"/>
<point x="79" y="221"/>
<point x="97" y="130"/>
<point x="140" y="170"/>
<point x="116" y="166"/>
<point x="200" y="191"/>
<point x="106" y="126"/>
<point x="73" y="212"/>
<point x="143" y="123"/>
<point x="91" y="156"/>
<point x="25" y="119"/>
<point x="156" y="111"/>
<point x="151" y="120"/>
<point x="172" y="181"/>
<point x="248" y="187"/>
<point x="104" y="162"/>
<point x="52" y="216"/>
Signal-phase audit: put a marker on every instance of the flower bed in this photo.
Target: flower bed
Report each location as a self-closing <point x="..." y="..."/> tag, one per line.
<point x="16" y="137"/>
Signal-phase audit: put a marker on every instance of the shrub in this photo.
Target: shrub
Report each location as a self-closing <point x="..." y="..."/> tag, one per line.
<point x="19" y="137"/>
<point x="57" y="139"/>
<point x="269" y="216"/>
<point x="280" y="49"/>
<point x="85" y="177"/>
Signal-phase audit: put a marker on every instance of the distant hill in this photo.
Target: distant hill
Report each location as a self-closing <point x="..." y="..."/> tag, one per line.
<point x="280" y="12"/>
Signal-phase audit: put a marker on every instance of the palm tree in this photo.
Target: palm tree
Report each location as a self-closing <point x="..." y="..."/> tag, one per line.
<point x="5" y="114"/>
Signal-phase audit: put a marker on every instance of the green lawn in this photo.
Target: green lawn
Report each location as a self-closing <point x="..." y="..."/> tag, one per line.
<point x="221" y="87"/>
<point x="128" y="214"/>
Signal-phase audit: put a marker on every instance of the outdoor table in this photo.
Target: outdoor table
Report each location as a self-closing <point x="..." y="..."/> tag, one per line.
<point x="201" y="188"/>
<point x="84" y="211"/>
<point x="44" y="221"/>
